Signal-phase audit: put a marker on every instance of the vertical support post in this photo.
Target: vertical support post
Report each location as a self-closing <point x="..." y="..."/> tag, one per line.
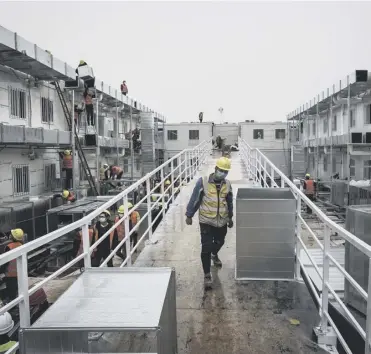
<point x="368" y="314"/>
<point x="149" y="217"/>
<point x="265" y="173"/>
<point x="348" y="140"/>
<point x="24" y="305"/>
<point x="86" y="246"/>
<point x="298" y="235"/>
<point x="73" y="141"/>
<point x="117" y="132"/>
<point x="162" y="192"/>
<point x="127" y="230"/>
<point x="325" y="278"/>
<point x="282" y="183"/>
<point x="172" y="179"/>
<point x="317" y="141"/>
<point x="131" y="145"/>
<point x="272" y="174"/>
<point x="97" y="150"/>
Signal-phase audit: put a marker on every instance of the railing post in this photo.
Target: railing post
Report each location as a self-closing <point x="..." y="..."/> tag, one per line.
<point x="186" y="166"/>
<point x="298" y="235"/>
<point x="127" y="230"/>
<point x="162" y="192"/>
<point x="265" y="173"/>
<point x="325" y="278"/>
<point x="86" y="245"/>
<point x="172" y="179"/>
<point x="368" y="314"/>
<point x="24" y="305"/>
<point x="149" y="216"/>
<point x="256" y="166"/>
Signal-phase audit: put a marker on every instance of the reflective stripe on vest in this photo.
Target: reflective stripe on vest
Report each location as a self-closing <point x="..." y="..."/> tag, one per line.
<point x="12" y="267"/>
<point x="5" y="347"/>
<point x="120" y="229"/>
<point x="214" y="208"/>
<point x="309" y="184"/>
<point x="81" y="248"/>
<point x="67" y="162"/>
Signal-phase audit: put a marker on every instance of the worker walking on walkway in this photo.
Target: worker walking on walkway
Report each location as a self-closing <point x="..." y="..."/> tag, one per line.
<point x="134" y="219"/>
<point x="309" y="189"/>
<point x="120" y="232"/>
<point x="212" y="195"/>
<point x="104" y="249"/>
<point x="10" y="269"/>
<point x="6" y="325"/>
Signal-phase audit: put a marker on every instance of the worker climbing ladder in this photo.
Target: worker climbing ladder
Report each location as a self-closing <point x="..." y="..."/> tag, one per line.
<point x="83" y="161"/>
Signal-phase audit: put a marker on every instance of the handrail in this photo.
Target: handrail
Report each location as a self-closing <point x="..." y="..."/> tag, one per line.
<point x="187" y="161"/>
<point x="256" y="161"/>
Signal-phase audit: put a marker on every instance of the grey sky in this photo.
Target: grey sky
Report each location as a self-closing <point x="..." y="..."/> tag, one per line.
<point x="257" y="60"/>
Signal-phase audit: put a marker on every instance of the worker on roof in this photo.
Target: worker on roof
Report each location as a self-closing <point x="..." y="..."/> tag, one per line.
<point x="201" y="116"/>
<point x="124" y="88"/>
<point x="16" y="237"/>
<point x="103" y="249"/>
<point x="89" y="107"/>
<point x="67" y="196"/>
<point x="67" y="166"/>
<point x="115" y="172"/>
<point x="309" y="187"/>
<point x="212" y="196"/>
<point x="6" y="325"/>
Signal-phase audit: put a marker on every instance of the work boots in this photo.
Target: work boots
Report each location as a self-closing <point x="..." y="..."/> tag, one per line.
<point x="208" y="281"/>
<point x="216" y="260"/>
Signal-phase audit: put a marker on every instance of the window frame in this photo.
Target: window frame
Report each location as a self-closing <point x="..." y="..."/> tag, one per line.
<point x="15" y="98"/>
<point x="255" y="135"/>
<point x="47" y="110"/>
<point x="172" y="134"/>
<point x="280" y="130"/>
<point x="197" y="136"/>
<point x="21" y="184"/>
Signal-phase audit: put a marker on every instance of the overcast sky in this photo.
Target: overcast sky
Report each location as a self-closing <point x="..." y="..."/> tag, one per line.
<point x="257" y="60"/>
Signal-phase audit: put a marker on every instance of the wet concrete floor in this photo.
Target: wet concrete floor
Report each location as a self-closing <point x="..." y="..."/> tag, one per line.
<point x="236" y="318"/>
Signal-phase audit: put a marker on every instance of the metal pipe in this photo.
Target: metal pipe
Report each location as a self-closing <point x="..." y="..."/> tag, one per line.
<point x="117" y="132"/>
<point x="97" y="150"/>
<point x="73" y="142"/>
<point x="131" y="143"/>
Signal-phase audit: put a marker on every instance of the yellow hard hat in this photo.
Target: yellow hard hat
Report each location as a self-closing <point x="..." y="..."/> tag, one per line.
<point x="106" y="212"/>
<point x="121" y="209"/>
<point x="154" y="198"/>
<point x="67" y="152"/>
<point x="82" y="62"/>
<point x="130" y="205"/>
<point x="223" y="163"/>
<point x="167" y="182"/>
<point x="17" y="234"/>
<point x="65" y="193"/>
<point x="307" y="175"/>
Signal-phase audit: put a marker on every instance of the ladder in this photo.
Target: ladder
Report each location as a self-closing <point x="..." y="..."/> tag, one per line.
<point x="79" y="149"/>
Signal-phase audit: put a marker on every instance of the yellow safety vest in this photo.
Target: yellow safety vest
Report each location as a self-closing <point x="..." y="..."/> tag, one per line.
<point x="5" y="347"/>
<point x="214" y="209"/>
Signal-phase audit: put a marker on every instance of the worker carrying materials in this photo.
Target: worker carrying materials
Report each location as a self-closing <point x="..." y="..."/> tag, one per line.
<point x="6" y="325"/>
<point x="115" y="172"/>
<point x="103" y="249"/>
<point x="10" y="269"/>
<point x="67" y="166"/>
<point x="212" y="196"/>
<point x="309" y="187"/>
<point x="124" y="88"/>
<point x="89" y="107"/>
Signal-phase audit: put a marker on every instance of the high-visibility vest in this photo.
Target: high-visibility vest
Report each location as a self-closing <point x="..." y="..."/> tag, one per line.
<point x="115" y="170"/>
<point x="5" y="347"/>
<point x="67" y="162"/>
<point x="120" y="229"/>
<point x="81" y="248"/>
<point x="214" y="209"/>
<point x="12" y="267"/>
<point x="309" y="184"/>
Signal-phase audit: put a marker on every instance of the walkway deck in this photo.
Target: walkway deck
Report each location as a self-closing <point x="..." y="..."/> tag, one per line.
<point x="233" y="318"/>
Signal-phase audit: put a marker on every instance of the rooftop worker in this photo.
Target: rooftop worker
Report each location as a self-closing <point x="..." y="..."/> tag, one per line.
<point x="6" y="325"/>
<point x="10" y="269"/>
<point x="68" y="196"/>
<point x="309" y="189"/>
<point x="67" y="166"/>
<point x="103" y="249"/>
<point x="201" y="116"/>
<point x="116" y="172"/>
<point x="81" y="63"/>
<point x="212" y="195"/>
<point x="89" y="107"/>
<point x="124" y="88"/>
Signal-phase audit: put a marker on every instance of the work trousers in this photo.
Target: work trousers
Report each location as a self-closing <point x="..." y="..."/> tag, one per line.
<point x="212" y="240"/>
<point x="101" y="255"/>
<point x="311" y="197"/>
<point x="90" y="114"/>
<point x="11" y="287"/>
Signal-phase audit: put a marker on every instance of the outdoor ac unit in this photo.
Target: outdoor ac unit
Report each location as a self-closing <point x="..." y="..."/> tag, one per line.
<point x="356" y="138"/>
<point x="361" y="75"/>
<point x="367" y="137"/>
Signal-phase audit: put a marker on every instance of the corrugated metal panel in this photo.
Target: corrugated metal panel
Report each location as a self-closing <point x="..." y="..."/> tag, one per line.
<point x="147" y="127"/>
<point x="229" y="132"/>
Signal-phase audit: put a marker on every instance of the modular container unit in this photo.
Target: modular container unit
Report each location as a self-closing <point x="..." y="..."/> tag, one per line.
<point x="358" y="222"/>
<point x="265" y="234"/>
<point x="339" y="190"/>
<point x="359" y="195"/>
<point x="109" y="310"/>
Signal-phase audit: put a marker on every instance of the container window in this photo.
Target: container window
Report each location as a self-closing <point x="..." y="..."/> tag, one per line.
<point x="367" y="169"/>
<point x="47" y="110"/>
<point x="17" y="102"/>
<point x="258" y="134"/>
<point x="172" y="135"/>
<point x="352" y="168"/>
<point x="314" y="128"/>
<point x="280" y="134"/>
<point x="194" y="135"/>
<point x="21" y="180"/>
<point x="50" y="177"/>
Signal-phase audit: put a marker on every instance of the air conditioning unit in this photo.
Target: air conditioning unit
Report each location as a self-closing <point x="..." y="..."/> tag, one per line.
<point x="356" y="138"/>
<point x="367" y="138"/>
<point x="361" y="75"/>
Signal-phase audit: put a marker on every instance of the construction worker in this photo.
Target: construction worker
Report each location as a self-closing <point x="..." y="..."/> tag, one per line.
<point x="6" y="325"/>
<point x="68" y="196"/>
<point x="10" y="269"/>
<point x="120" y="231"/>
<point x="309" y="190"/>
<point x="103" y="249"/>
<point x="212" y="195"/>
<point x="89" y="107"/>
<point x="201" y="116"/>
<point x="124" y="88"/>
<point x="67" y="166"/>
<point x="116" y="172"/>
<point x="219" y="142"/>
<point x="134" y="219"/>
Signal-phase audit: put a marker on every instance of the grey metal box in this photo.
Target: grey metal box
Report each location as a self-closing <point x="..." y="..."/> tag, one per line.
<point x="358" y="222"/>
<point x="64" y="137"/>
<point x="109" y="310"/>
<point x="50" y="136"/>
<point x="339" y="189"/>
<point x="34" y="135"/>
<point x="12" y="133"/>
<point x="265" y="234"/>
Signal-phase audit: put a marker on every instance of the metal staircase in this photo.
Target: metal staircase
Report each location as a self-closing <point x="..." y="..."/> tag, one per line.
<point x="84" y="163"/>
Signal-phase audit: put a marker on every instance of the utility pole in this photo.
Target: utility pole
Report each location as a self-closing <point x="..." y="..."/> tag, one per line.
<point x="73" y="142"/>
<point x="131" y="145"/>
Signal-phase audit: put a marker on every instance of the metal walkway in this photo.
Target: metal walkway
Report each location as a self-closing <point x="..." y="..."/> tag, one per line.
<point x="233" y="318"/>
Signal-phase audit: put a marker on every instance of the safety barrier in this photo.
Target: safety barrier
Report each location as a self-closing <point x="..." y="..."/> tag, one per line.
<point x="256" y="163"/>
<point x="187" y="163"/>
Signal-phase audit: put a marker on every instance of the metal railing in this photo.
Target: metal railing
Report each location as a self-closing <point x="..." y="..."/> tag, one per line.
<point x="187" y="164"/>
<point x="259" y="167"/>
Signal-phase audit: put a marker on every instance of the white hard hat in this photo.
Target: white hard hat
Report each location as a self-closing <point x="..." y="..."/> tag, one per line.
<point x="6" y="323"/>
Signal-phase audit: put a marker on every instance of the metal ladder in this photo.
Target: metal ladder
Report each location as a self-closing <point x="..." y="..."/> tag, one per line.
<point x="80" y="151"/>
